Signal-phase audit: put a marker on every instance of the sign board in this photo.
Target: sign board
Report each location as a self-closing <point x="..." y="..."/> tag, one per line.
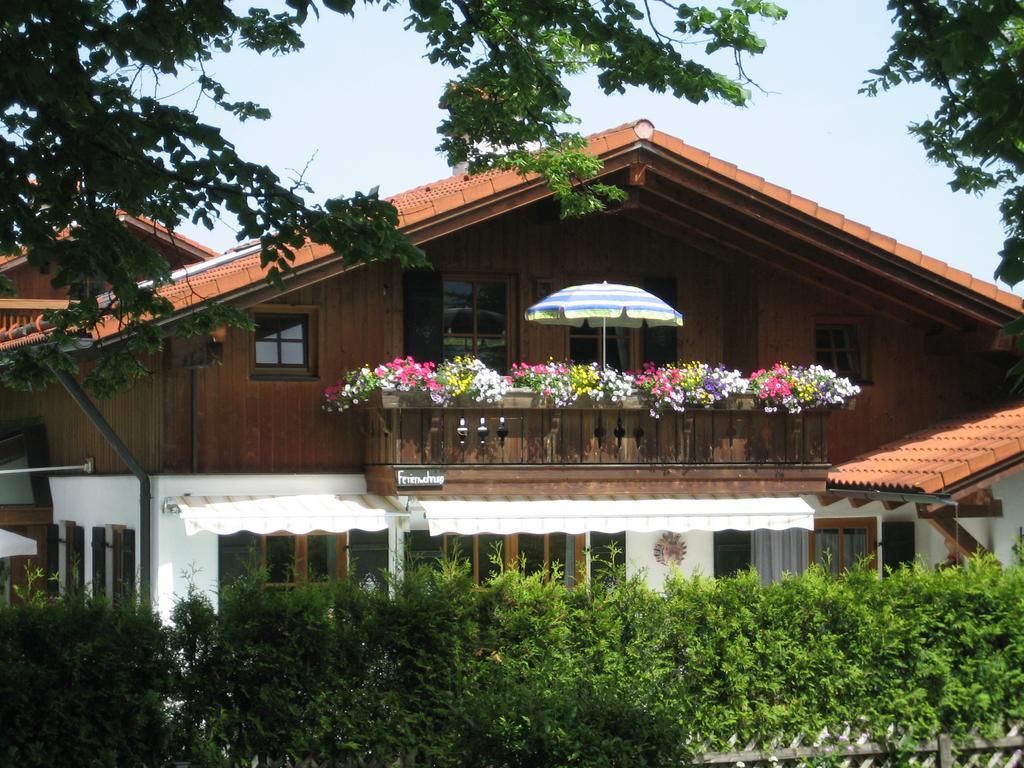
<point x="421" y="477"/>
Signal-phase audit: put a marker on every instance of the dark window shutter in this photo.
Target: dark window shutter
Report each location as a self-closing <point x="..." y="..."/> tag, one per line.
<point x="423" y="308"/>
<point x="660" y="344"/>
<point x="78" y="556"/>
<point x="52" y="558"/>
<point x="128" y="562"/>
<point x="897" y="544"/>
<point x="99" y="560"/>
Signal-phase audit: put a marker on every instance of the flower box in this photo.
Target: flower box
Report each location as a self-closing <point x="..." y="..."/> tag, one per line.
<point x="469" y="384"/>
<point x="525" y="399"/>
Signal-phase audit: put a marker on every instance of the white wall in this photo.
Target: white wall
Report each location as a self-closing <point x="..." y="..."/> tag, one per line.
<point x="1007" y="528"/>
<point x="98" y="500"/>
<point x="640" y="556"/>
<point x="177" y="559"/>
<point x="928" y="542"/>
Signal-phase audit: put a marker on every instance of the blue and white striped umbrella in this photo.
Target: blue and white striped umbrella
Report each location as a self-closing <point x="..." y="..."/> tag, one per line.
<point x="600" y="305"/>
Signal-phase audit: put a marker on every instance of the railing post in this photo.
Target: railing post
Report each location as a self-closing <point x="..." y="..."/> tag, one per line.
<point x="945" y="751"/>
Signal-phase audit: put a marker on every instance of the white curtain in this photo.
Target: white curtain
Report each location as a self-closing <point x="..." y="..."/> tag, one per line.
<point x="778" y="552"/>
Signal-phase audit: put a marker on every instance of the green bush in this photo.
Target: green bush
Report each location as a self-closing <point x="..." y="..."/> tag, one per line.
<point x="522" y="673"/>
<point x="82" y="684"/>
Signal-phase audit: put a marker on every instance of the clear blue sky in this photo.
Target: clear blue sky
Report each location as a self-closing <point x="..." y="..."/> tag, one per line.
<point x="362" y="98"/>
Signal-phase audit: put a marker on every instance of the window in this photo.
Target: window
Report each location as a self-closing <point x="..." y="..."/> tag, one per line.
<point x="733" y="552"/>
<point x="837" y="544"/>
<point x="21" y="448"/>
<point x="488" y="553"/>
<point x="282" y="341"/>
<point x="368" y="557"/>
<point x="585" y="347"/>
<point x="287" y="558"/>
<point x="422" y="549"/>
<point x="285" y="342"/>
<point x="547" y="554"/>
<point x="607" y="551"/>
<point x="838" y="346"/>
<point x="475" y="320"/>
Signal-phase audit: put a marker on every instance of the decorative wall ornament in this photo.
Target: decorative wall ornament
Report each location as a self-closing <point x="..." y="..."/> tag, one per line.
<point x="670" y="549"/>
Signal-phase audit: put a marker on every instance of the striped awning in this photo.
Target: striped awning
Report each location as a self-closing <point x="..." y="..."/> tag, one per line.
<point x="294" y="514"/>
<point x="581" y="514"/>
<point x="617" y="305"/>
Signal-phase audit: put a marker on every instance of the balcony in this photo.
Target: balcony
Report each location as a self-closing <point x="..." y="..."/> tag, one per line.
<point x="526" y="446"/>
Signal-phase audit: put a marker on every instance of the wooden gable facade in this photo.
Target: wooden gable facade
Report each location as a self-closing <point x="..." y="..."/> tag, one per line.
<point x="760" y="274"/>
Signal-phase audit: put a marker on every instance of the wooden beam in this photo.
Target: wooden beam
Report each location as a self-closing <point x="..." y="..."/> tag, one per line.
<point x="979" y="496"/>
<point x="526" y="480"/>
<point x="827" y="500"/>
<point x="943" y="512"/>
<point x="25" y="516"/>
<point x="958" y="537"/>
<point x="697" y="241"/>
<point x="758" y="239"/>
<point x="775" y="255"/>
<point x="637" y="174"/>
<point x="857" y="502"/>
<point x="784" y="219"/>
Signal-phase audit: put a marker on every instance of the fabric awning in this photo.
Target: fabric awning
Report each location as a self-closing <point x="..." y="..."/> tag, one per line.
<point x="294" y="514"/>
<point x="13" y="545"/>
<point x="679" y="514"/>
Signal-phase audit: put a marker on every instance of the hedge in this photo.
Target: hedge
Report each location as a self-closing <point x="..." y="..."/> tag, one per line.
<point x="522" y="673"/>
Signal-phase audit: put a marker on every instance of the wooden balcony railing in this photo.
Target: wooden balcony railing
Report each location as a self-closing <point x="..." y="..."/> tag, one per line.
<point x="404" y="430"/>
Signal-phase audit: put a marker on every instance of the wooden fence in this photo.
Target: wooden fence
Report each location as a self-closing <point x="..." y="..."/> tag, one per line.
<point x="845" y="750"/>
<point x="850" y="750"/>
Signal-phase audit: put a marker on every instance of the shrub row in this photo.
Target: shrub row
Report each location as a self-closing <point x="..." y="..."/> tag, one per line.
<point x="523" y="673"/>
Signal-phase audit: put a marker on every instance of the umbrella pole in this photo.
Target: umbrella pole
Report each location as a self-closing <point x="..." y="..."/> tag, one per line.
<point x="604" y="343"/>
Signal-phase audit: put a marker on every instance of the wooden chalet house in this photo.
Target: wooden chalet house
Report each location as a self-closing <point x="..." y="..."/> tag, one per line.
<point x="241" y="459"/>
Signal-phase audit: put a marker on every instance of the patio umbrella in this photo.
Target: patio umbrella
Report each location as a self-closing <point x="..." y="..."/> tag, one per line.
<point x="600" y="305"/>
<point x="12" y="545"/>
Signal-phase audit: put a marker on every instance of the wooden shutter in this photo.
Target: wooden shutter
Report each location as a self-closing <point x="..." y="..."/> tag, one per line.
<point x="76" y="573"/>
<point x="423" y="310"/>
<point x="52" y="558"/>
<point x="127" y="561"/>
<point x="99" y="560"/>
<point x="661" y="344"/>
<point x="897" y="543"/>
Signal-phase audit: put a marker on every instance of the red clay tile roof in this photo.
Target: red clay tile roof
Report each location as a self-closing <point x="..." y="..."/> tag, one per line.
<point x="447" y="195"/>
<point x="175" y="238"/>
<point x="945" y="455"/>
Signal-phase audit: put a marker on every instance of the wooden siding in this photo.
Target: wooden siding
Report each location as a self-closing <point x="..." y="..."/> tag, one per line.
<point x="249" y="424"/>
<point x="740" y="310"/>
<point x="134" y="414"/>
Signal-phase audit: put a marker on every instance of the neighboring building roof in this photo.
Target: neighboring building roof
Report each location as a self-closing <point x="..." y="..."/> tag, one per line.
<point x="176" y="240"/>
<point x="942" y="458"/>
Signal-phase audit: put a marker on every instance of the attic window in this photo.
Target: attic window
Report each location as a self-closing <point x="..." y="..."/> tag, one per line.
<point x="283" y="343"/>
<point x="838" y="346"/>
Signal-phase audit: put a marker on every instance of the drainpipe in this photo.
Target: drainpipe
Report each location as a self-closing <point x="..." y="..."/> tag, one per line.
<point x="145" y="496"/>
